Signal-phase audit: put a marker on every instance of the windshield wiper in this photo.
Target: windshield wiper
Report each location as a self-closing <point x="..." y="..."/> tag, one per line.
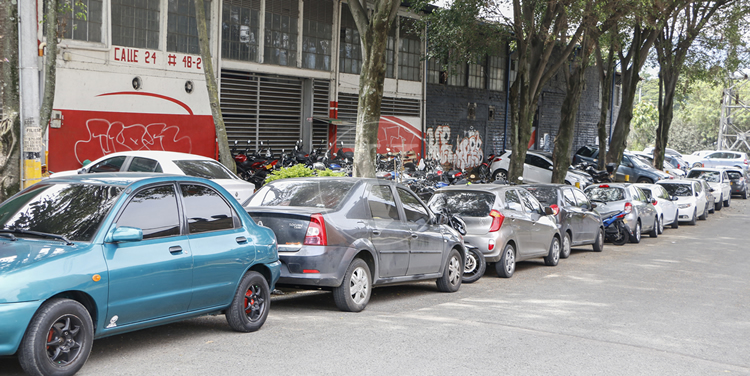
<point x="36" y="233"/>
<point x="9" y="235"/>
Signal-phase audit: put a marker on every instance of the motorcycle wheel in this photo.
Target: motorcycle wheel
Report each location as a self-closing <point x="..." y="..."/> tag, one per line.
<point x="622" y="234"/>
<point x="474" y="267"/>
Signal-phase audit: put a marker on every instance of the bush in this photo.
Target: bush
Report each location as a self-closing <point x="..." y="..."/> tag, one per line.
<point x="299" y="171"/>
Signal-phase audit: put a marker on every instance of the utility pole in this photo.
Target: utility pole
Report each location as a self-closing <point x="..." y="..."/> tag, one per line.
<point x="31" y="133"/>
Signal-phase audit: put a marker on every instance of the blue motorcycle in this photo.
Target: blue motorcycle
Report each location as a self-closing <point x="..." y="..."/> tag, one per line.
<point x="615" y="229"/>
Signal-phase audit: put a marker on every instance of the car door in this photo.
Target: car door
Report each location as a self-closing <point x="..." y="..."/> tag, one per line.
<point x="140" y="164"/>
<point x="153" y="277"/>
<point x="388" y="233"/>
<point x="669" y="207"/>
<point x="221" y="247"/>
<point x="536" y="239"/>
<point x="536" y="170"/>
<point x="590" y="220"/>
<point x="573" y="215"/>
<point x="646" y="211"/>
<point x="713" y="159"/>
<point x="425" y="237"/>
<point x="725" y="185"/>
<point x="627" y="168"/>
<point x="515" y="217"/>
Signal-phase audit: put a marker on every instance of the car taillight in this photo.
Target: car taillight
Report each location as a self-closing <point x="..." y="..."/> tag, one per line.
<point x="555" y="209"/>
<point x="490" y="245"/>
<point x="745" y="161"/>
<point x="603" y="186"/>
<point x="316" y="231"/>
<point x="497" y="220"/>
<point x="497" y="159"/>
<point x="655" y="202"/>
<point x="628" y="207"/>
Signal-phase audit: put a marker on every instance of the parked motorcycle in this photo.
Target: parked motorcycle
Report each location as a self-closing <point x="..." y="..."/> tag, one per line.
<point x="615" y="229"/>
<point x="475" y="264"/>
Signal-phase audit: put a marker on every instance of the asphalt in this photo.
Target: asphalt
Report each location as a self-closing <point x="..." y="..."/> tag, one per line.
<point x="675" y="305"/>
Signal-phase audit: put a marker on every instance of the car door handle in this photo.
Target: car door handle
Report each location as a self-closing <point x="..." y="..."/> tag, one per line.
<point x="241" y="239"/>
<point x="175" y="249"/>
<point x="414" y="236"/>
<point x="376" y="232"/>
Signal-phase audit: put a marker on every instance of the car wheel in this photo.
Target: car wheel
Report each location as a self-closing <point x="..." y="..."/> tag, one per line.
<point x="565" y="252"/>
<point x="661" y="225"/>
<point x="474" y="267"/>
<point x="554" y="253"/>
<point x="676" y="223"/>
<point x="507" y="264"/>
<point x="58" y="340"/>
<point x="645" y="181"/>
<point x="355" y="290"/>
<point x="655" y="230"/>
<point x="703" y="216"/>
<point x="697" y="165"/>
<point x="500" y="174"/>
<point x="251" y="303"/>
<point x="744" y="194"/>
<point x="728" y="201"/>
<point x="599" y="244"/>
<point x="454" y="268"/>
<point x="636" y="237"/>
<point x="694" y="217"/>
<point x="717" y="205"/>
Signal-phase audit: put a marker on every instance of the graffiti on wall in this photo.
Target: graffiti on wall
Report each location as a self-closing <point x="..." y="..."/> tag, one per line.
<point x="466" y="152"/>
<point x="106" y="137"/>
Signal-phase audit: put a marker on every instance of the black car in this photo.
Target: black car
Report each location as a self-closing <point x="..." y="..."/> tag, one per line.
<point x="350" y="234"/>
<point x="739" y="181"/>
<point x="577" y="221"/>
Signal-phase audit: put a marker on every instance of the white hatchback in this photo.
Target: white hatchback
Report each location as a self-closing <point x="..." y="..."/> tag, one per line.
<point x="691" y="198"/>
<point x="170" y="163"/>
<point x="718" y="180"/>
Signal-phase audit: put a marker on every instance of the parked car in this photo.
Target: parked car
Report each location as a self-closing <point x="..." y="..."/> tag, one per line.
<point x="738" y="179"/>
<point x="665" y="206"/>
<point x="696" y="159"/>
<point x="84" y="257"/>
<point x="350" y="234"/>
<point x="668" y="167"/>
<point x="691" y="198"/>
<point x="615" y="197"/>
<point x="505" y="222"/>
<point x="631" y="169"/>
<point x="672" y="156"/>
<point x="171" y="163"/>
<point x="578" y="222"/>
<point x="725" y="158"/>
<point x="537" y="169"/>
<point x="710" y="198"/>
<point x="719" y="182"/>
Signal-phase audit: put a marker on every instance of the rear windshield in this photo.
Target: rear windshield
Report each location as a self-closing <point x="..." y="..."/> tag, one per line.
<point x="678" y="189"/>
<point x="586" y="151"/>
<point x="74" y="211"/>
<point x="709" y="176"/>
<point x="204" y="169"/>
<point x="546" y="195"/>
<point x="608" y="194"/>
<point x="734" y="175"/>
<point x="463" y="204"/>
<point x="306" y="193"/>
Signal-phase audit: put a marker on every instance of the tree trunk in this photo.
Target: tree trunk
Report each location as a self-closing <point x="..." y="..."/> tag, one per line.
<point x="50" y="67"/>
<point x="225" y="155"/>
<point x="606" y="73"/>
<point x="631" y="67"/>
<point x="10" y="126"/>
<point x="373" y="31"/>
<point x="522" y="108"/>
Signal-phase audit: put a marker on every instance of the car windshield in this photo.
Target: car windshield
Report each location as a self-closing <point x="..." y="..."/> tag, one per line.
<point x="641" y="163"/>
<point x="678" y="189"/>
<point x="709" y="176"/>
<point x="546" y="195"/>
<point x="605" y="194"/>
<point x="308" y="193"/>
<point x="204" y="169"/>
<point x="734" y="175"/>
<point x="463" y="203"/>
<point x="74" y="211"/>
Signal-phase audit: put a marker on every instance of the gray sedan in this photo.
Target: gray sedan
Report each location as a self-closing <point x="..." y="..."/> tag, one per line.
<point x="350" y="234"/>
<point x="617" y="197"/>
<point x="506" y="223"/>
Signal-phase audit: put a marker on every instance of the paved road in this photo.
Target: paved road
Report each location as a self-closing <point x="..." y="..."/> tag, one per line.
<point x="675" y="305"/>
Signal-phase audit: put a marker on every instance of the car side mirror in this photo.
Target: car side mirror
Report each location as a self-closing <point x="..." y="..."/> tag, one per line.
<point x="673" y="198"/>
<point x="548" y="210"/>
<point x="125" y="234"/>
<point x="697" y="194"/>
<point x="711" y="190"/>
<point x="593" y="205"/>
<point x="551" y="168"/>
<point x="82" y="170"/>
<point x="651" y="200"/>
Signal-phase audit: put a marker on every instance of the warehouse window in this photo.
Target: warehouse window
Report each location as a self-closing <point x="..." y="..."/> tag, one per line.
<point x="317" y="34"/>
<point x="182" y="29"/>
<point x="89" y="28"/>
<point x="409" y="52"/>
<point x="496" y="73"/>
<point x="135" y="24"/>
<point x="281" y="32"/>
<point x="350" y="47"/>
<point x="476" y="75"/>
<point x="240" y="21"/>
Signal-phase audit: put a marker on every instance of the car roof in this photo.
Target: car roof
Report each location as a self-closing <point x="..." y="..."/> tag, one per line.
<point x="159" y="154"/>
<point x="478" y="187"/>
<point x="121" y="179"/>
<point x="708" y="169"/>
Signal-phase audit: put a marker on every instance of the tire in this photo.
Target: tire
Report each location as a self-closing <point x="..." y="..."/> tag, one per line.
<point x="703" y="216"/>
<point x="507" y="264"/>
<point x="554" y="253"/>
<point x="717" y="205"/>
<point x="697" y="165"/>
<point x="655" y="230"/>
<point x="454" y="268"/>
<point x="251" y="303"/>
<point x="695" y="216"/>
<point x="474" y="267"/>
<point x="744" y="194"/>
<point x="599" y="243"/>
<point x="645" y="180"/>
<point x="624" y="231"/>
<point x="676" y="223"/>
<point x="356" y="289"/>
<point x="49" y="346"/>
<point x="636" y="236"/>
<point x="500" y="174"/>
<point x="565" y="251"/>
<point x="728" y="201"/>
<point x="661" y="225"/>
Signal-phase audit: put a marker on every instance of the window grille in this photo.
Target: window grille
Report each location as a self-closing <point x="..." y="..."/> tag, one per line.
<point x="317" y="34"/>
<point x="182" y="28"/>
<point x="240" y="24"/>
<point x="135" y="24"/>
<point x="281" y="32"/>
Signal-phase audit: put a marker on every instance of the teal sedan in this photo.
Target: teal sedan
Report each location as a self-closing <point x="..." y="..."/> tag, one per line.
<point x="89" y="256"/>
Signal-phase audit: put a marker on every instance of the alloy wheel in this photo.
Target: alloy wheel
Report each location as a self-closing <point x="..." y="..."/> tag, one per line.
<point x="64" y="340"/>
<point x="359" y="285"/>
<point x="255" y="303"/>
<point x="454" y="271"/>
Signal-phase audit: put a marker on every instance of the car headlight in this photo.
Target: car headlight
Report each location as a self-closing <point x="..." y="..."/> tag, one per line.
<point x="683" y="206"/>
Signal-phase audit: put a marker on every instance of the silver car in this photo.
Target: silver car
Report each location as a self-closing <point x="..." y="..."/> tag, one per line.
<point x="616" y="197"/>
<point x="726" y="158"/>
<point x="506" y="223"/>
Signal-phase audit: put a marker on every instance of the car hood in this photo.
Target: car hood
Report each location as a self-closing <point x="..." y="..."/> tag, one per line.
<point x="240" y="189"/>
<point x="22" y="253"/>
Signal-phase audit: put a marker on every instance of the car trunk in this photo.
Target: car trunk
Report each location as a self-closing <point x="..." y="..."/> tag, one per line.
<point x="288" y="223"/>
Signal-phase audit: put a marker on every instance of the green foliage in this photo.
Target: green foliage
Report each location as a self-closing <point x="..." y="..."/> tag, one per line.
<point x="299" y="171"/>
<point x="644" y="124"/>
